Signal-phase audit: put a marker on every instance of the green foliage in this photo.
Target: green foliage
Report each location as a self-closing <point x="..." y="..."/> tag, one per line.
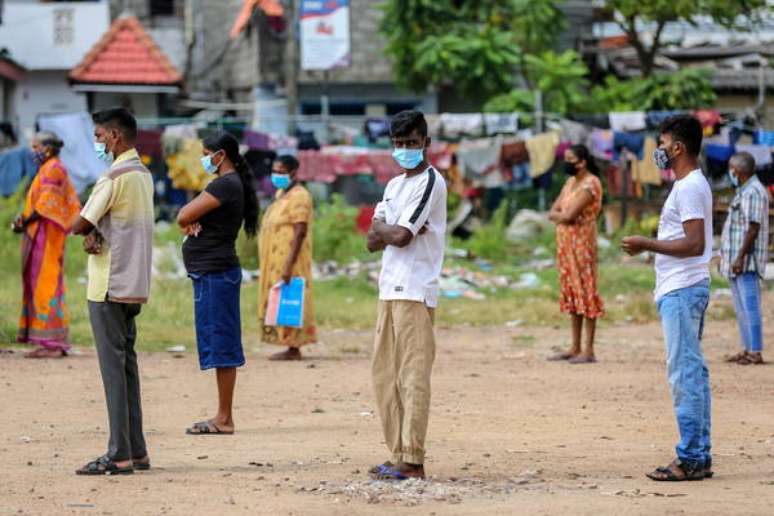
<point x="561" y="79"/>
<point x="474" y="47"/>
<point x="684" y="89"/>
<point x="335" y="233"/>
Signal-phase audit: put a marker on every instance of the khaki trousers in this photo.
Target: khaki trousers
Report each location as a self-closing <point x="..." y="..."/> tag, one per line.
<point x="404" y="351"/>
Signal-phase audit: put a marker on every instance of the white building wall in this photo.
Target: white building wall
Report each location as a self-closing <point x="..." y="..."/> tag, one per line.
<point x="44" y="92"/>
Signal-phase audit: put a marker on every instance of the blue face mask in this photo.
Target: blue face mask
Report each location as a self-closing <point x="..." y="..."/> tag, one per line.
<point x="208" y="165"/>
<point x="39" y="157"/>
<point x="408" y="159"/>
<point x="734" y="178"/>
<point x="280" y="181"/>
<point x="101" y="150"/>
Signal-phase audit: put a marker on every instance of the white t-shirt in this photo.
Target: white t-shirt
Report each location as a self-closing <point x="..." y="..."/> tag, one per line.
<point x="690" y="199"/>
<point x="411" y="273"/>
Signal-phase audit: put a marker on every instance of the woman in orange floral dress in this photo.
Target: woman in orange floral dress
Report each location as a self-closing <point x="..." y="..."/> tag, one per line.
<point x="575" y="214"/>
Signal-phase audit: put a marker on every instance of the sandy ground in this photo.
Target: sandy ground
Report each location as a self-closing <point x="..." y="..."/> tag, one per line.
<point x="510" y="433"/>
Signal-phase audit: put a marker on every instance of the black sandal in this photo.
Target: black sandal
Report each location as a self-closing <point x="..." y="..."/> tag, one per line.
<point x="104" y="466"/>
<point x="667" y="474"/>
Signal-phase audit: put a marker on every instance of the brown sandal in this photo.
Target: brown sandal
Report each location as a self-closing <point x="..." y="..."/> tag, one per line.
<point x="751" y="359"/>
<point x="677" y="471"/>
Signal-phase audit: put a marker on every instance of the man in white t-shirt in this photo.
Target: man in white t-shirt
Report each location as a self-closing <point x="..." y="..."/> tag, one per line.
<point x="409" y="225"/>
<point x="683" y="250"/>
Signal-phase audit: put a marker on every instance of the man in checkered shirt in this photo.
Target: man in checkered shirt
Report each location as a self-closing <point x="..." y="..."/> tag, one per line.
<point x="744" y="252"/>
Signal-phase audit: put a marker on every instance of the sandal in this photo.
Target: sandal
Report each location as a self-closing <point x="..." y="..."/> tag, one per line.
<point x="141" y="466"/>
<point x="708" y="473"/>
<point x="104" y="466"/>
<point x="558" y="357"/>
<point x="375" y="471"/>
<point x="397" y="475"/>
<point x="582" y="359"/>
<point x="206" y="428"/>
<point x="751" y="359"/>
<point x="736" y="357"/>
<point x="669" y="473"/>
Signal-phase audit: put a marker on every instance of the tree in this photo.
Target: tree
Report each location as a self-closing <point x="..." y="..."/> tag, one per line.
<point x="478" y="47"/>
<point x="561" y="78"/>
<point x="684" y="89"/>
<point x="630" y="15"/>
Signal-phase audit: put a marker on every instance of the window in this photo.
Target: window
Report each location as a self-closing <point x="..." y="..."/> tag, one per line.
<point x="162" y="7"/>
<point x="64" y="31"/>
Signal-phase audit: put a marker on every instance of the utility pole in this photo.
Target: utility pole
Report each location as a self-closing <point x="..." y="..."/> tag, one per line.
<point x="291" y="65"/>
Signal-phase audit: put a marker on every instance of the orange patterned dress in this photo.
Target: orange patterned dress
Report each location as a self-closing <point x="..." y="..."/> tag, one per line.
<point x="576" y="248"/>
<point x="274" y="245"/>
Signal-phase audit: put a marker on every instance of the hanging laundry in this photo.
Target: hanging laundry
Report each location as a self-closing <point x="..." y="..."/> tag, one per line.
<point x="645" y="170"/>
<point x="499" y="123"/>
<point x="628" y="121"/>
<point x="440" y="155"/>
<point x="185" y="168"/>
<point x="602" y="144"/>
<point x="76" y="130"/>
<point x="654" y="119"/>
<point x="256" y="140"/>
<point x="764" y="137"/>
<point x="633" y="142"/>
<point x="561" y="148"/>
<point x="542" y="152"/>
<point x="720" y="153"/>
<point x="183" y="130"/>
<point x="760" y="153"/>
<point x="15" y="166"/>
<point x="615" y="181"/>
<point x="520" y="178"/>
<point x="149" y="143"/>
<point x="514" y="151"/>
<point x="456" y="125"/>
<point x="433" y="124"/>
<point x="376" y="128"/>
<point x="479" y="157"/>
<point x="574" y="132"/>
<point x="600" y="121"/>
<point x="282" y="144"/>
<point x="709" y="118"/>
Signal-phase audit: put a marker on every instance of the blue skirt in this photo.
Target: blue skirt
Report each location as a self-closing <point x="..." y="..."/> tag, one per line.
<point x="218" y="324"/>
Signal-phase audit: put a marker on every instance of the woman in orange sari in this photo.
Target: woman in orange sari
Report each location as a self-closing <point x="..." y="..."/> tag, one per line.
<point x="49" y="212"/>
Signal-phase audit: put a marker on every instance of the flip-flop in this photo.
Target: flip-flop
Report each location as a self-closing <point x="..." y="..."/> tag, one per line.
<point x="582" y="360"/>
<point x="104" y="466"/>
<point x="558" y="357"/>
<point x="379" y="469"/>
<point x="206" y="428"/>
<point x="391" y="474"/>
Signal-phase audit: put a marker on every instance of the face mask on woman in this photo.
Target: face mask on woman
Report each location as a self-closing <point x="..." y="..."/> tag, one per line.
<point x="208" y="165"/>
<point x="280" y="181"/>
<point x="571" y="169"/>
<point x="39" y="157"/>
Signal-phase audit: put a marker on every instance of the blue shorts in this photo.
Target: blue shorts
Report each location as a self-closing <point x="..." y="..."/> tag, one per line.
<point x="218" y="324"/>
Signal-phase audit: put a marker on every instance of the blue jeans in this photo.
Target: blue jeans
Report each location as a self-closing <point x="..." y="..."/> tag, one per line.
<point x="746" y="289"/>
<point x="218" y="325"/>
<point x="682" y="317"/>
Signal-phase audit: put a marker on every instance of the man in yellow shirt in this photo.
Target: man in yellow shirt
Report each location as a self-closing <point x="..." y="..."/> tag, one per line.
<point x="117" y="222"/>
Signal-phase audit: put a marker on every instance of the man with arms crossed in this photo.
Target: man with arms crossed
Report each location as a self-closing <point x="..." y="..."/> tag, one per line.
<point x="118" y="224"/>
<point x="409" y="225"/>
<point x="683" y="250"/>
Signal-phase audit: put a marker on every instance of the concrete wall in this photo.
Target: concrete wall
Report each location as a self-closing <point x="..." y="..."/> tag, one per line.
<point x="42" y="92"/>
<point x="144" y="105"/>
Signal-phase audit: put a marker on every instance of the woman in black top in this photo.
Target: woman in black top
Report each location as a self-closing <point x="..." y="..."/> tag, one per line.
<point x="211" y="224"/>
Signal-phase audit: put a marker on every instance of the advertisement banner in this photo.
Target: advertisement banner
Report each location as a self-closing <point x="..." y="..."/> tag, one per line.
<point x="324" y="31"/>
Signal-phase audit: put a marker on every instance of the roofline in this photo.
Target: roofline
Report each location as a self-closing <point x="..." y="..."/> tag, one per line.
<point x="125" y="88"/>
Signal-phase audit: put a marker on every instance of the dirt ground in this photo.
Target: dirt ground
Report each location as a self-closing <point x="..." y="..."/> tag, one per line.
<point x="509" y="433"/>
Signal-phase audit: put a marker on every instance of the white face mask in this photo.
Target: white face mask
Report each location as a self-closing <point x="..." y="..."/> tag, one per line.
<point x="734" y="178"/>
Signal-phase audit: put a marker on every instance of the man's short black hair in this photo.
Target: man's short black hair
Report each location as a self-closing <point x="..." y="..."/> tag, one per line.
<point x="403" y="123"/>
<point x="685" y="129"/>
<point x="117" y="118"/>
<point x="290" y="162"/>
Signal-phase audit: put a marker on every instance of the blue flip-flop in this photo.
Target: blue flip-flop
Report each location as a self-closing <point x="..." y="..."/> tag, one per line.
<point x="390" y="473"/>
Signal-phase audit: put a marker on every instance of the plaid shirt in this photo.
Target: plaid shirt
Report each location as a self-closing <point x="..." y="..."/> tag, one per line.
<point x="750" y="204"/>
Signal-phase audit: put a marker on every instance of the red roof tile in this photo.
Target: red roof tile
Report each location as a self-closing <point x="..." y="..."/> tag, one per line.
<point x="126" y="54"/>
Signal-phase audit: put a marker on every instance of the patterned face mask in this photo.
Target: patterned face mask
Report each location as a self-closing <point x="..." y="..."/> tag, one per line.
<point x="661" y="159"/>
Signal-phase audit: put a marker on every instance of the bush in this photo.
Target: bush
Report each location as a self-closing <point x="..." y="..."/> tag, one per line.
<point x="335" y="233"/>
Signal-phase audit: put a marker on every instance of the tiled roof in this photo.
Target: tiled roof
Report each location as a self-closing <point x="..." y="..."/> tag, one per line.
<point x="126" y="54"/>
